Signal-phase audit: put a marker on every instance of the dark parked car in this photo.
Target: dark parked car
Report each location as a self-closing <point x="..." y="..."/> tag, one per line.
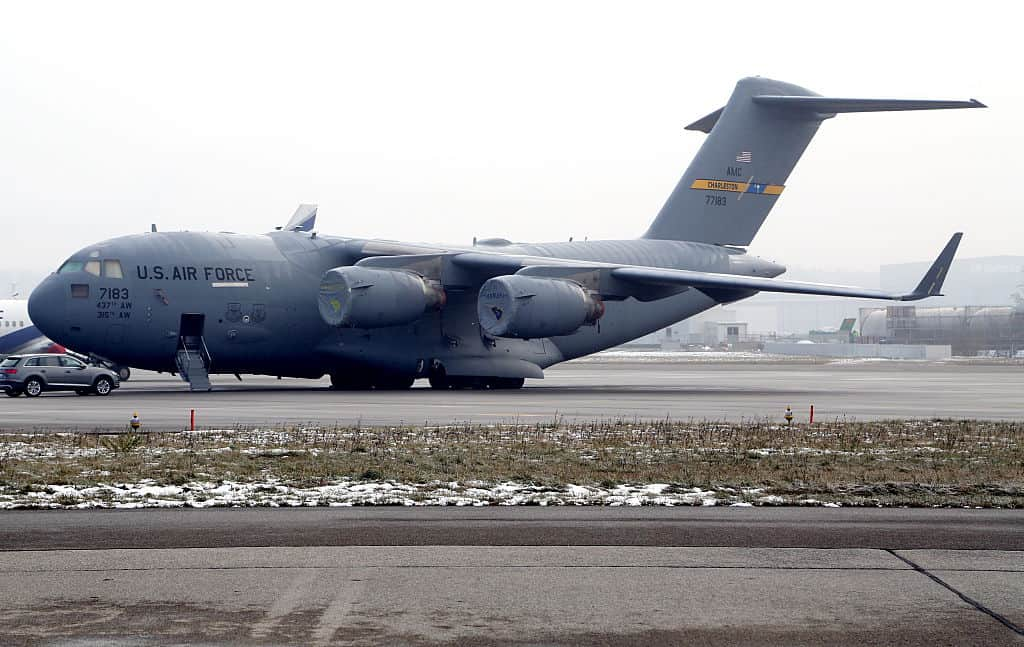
<point x="33" y="374"/>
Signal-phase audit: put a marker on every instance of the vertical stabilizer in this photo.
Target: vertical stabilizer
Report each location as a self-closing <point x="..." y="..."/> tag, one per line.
<point x="752" y="146"/>
<point x="740" y="171"/>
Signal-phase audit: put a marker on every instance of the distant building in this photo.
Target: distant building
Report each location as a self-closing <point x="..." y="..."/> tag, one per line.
<point x="717" y="333"/>
<point x="969" y="330"/>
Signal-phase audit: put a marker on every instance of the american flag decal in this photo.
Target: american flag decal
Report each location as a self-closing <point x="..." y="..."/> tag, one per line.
<point x="745" y="157"/>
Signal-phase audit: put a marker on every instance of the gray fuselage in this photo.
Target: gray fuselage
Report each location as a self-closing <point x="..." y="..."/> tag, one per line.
<point x="257" y="296"/>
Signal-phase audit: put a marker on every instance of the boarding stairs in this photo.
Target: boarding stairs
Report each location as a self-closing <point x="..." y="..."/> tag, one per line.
<point x="193" y="360"/>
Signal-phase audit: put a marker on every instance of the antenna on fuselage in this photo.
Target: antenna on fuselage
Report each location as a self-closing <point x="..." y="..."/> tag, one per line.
<point x="152" y="228"/>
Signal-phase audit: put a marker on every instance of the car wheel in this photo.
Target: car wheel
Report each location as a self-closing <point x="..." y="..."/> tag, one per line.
<point x="11" y="393"/>
<point x="103" y="386"/>
<point x="33" y="387"/>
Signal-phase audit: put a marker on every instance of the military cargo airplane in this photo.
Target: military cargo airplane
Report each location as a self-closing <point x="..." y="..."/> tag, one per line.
<point x="380" y="313"/>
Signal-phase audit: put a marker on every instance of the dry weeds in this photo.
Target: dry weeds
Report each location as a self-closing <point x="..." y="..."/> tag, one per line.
<point x="920" y="463"/>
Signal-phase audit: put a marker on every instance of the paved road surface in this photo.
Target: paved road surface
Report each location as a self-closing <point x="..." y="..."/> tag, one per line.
<point x="582" y="390"/>
<point x="915" y="577"/>
<point x="512" y="526"/>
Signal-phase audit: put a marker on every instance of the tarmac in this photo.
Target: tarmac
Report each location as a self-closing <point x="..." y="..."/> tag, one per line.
<point x="524" y="576"/>
<point x="293" y="577"/>
<point x="582" y="390"/>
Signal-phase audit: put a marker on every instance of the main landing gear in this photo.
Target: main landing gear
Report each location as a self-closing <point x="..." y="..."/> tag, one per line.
<point x="368" y="381"/>
<point x="475" y="382"/>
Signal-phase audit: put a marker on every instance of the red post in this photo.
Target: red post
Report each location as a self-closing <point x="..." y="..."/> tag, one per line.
<point x="192" y="421"/>
<point x="811" y="421"/>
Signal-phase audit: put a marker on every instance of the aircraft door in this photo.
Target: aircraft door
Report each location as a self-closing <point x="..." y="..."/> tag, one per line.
<point x="190" y="331"/>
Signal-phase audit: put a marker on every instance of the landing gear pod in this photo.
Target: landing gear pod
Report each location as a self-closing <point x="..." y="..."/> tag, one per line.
<point x="527" y="307"/>
<point x="361" y="297"/>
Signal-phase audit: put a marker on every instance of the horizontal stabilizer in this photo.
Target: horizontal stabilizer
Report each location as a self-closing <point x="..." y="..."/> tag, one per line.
<point x="830" y="105"/>
<point x="707" y="122"/>
<point x="303" y="219"/>
<point x="827" y="106"/>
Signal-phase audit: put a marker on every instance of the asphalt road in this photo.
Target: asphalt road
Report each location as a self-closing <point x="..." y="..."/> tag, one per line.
<point x="581" y="390"/>
<point x="524" y="576"/>
<point x="515" y="526"/>
<point x="593" y="577"/>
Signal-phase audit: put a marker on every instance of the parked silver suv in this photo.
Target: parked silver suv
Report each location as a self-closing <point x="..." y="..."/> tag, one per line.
<point x="33" y="374"/>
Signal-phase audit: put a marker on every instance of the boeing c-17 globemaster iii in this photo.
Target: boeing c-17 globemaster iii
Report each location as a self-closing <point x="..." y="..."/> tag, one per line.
<point x="380" y="313"/>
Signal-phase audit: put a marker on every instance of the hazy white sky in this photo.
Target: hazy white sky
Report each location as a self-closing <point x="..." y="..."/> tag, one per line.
<point x="440" y="121"/>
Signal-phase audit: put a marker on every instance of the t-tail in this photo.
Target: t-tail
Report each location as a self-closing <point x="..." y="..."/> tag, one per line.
<point x="752" y="146"/>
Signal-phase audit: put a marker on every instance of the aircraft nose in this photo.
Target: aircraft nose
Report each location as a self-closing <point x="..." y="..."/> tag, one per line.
<point x="46" y="307"/>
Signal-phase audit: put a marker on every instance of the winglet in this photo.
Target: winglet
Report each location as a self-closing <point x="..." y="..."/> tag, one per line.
<point x="931" y="284"/>
<point x="303" y="219"/>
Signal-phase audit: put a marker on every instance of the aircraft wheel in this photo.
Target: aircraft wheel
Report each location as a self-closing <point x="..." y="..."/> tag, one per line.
<point x="103" y="386"/>
<point x="33" y="387"/>
<point x="440" y="382"/>
<point x="394" y="383"/>
<point x="82" y="391"/>
<point x="506" y="382"/>
<point x="341" y="382"/>
<point x="12" y="393"/>
<point x="123" y="373"/>
<point x="465" y="382"/>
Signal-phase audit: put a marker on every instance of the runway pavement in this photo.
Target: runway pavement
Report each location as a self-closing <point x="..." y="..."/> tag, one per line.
<point x="524" y="576"/>
<point x="281" y="577"/>
<point x="580" y="390"/>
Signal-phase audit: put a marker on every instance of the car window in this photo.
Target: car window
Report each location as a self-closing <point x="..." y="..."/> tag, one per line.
<point x="34" y="361"/>
<point x="112" y="269"/>
<point x="50" y="361"/>
<point x="10" y="361"/>
<point x="70" y="362"/>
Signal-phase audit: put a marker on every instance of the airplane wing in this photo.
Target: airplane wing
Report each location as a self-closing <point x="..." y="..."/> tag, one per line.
<point x="645" y="278"/>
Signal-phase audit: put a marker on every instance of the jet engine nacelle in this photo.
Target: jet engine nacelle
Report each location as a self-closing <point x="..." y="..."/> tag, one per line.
<point x="362" y="297"/>
<point x="528" y="307"/>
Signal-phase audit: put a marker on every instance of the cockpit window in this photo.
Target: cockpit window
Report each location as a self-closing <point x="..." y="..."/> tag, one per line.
<point x="70" y="266"/>
<point x="112" y="269"/>
<point x="93" y="267"/>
